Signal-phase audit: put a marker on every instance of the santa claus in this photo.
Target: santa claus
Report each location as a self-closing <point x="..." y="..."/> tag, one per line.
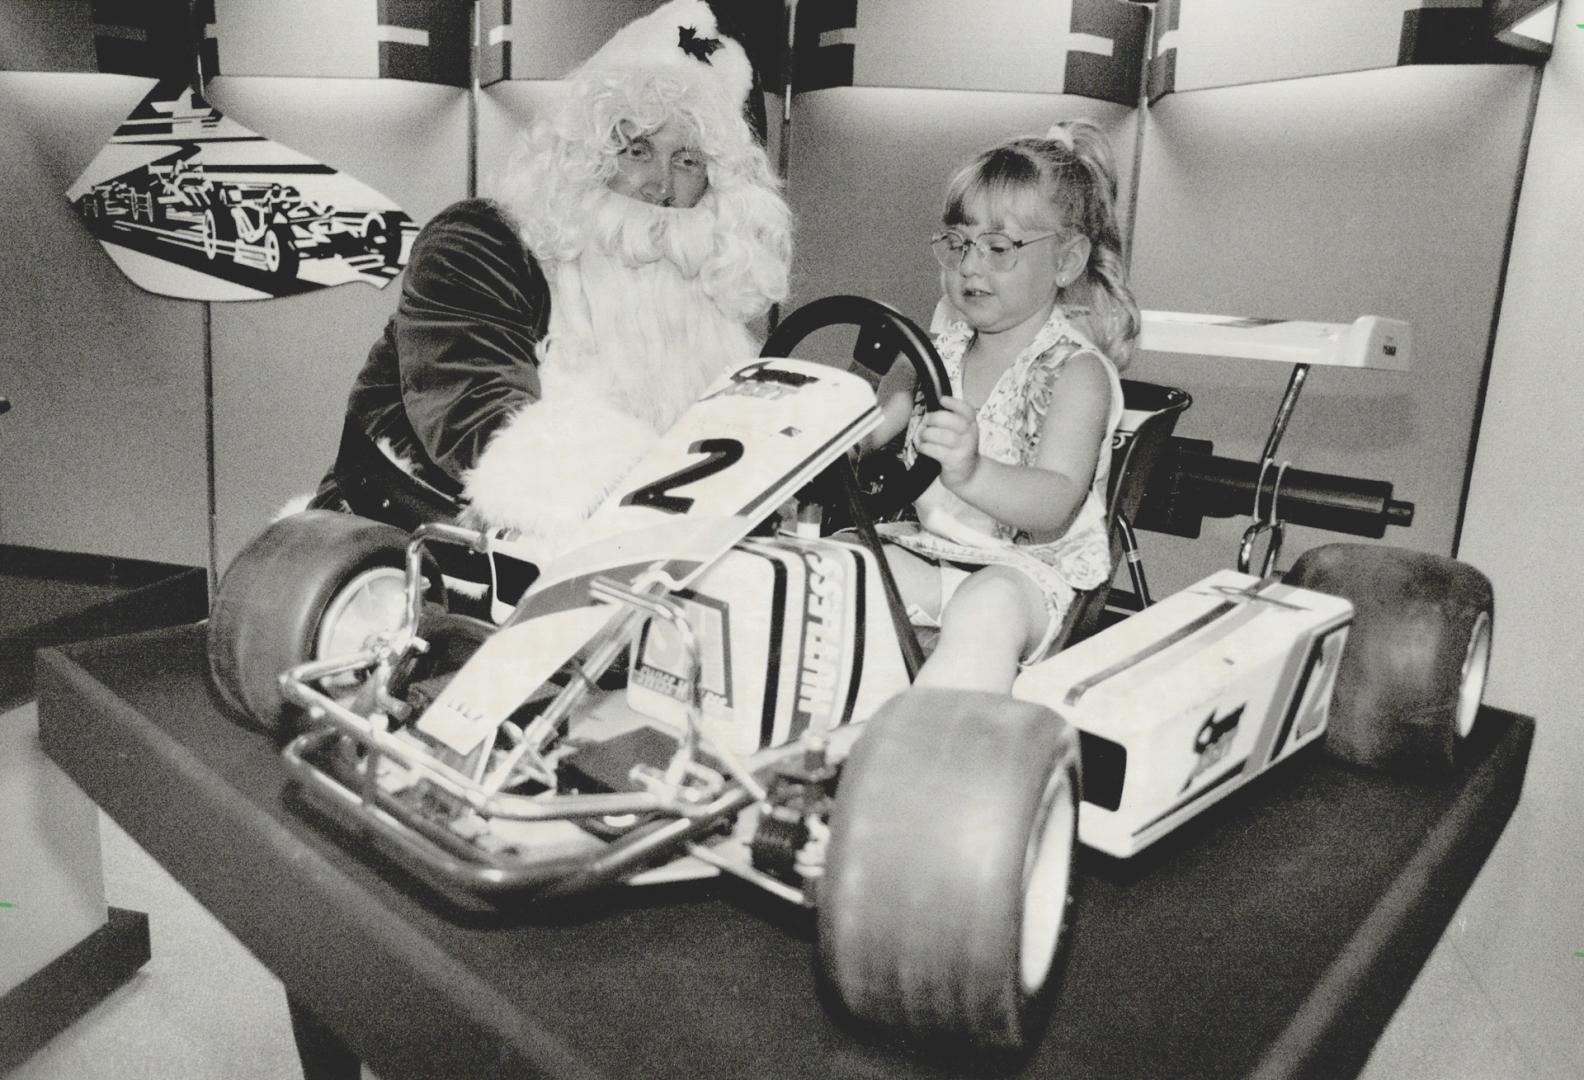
<point x="545" y="337"/>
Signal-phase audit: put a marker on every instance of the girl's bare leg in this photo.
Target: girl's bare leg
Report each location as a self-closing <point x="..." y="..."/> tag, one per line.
<point x="990" y="622"/>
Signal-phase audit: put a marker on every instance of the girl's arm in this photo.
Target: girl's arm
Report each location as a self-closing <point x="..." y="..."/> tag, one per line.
<point x="895" y="398"/>
<point x="1041" y="499"/>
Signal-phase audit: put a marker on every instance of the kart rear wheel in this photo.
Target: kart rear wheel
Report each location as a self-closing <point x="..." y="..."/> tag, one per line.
<point x="943" y="908"/>
<point x="313" y="584"/>
<point x="1413" y="672"/>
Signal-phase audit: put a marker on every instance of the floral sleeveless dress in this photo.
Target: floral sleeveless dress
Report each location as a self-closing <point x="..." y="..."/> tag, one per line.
<point x="1010" y="420"/>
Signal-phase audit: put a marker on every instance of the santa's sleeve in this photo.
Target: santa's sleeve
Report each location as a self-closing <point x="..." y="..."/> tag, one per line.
<point x="553" y="463"/>
<point x="474" y="304"/>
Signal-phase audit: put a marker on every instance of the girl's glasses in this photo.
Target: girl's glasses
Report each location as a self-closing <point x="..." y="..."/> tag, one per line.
<point x="998" y="250"/>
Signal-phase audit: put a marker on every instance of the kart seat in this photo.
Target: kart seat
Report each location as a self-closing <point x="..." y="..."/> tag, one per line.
<point x="374" y="486"/>
<point x="1149" y="415"/>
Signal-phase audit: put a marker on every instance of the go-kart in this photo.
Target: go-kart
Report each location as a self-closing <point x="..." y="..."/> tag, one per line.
<point x="690" y="691"/>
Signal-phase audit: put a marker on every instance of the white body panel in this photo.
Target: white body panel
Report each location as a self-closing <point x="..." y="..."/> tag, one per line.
<point x="796" y="635"/>
<point x="756" y="437"/>
<point x="1370" y="341"/>
<point x="1184" y="702"/>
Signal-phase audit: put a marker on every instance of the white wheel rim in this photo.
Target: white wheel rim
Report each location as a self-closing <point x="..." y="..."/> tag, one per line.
<point x="1471" y="690"/>
<point x="1046" y="875"/>
<point x="372" y="603"/>
<point x="211" y="235"/>
<point x="272" y="252"/>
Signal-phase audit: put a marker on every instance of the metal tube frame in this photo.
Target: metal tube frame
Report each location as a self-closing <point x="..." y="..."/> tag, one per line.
<point x="1270" y="522"/>
<point x="694" y="797"/>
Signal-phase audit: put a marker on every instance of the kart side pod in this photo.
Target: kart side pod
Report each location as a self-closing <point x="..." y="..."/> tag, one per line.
<point x="1186" y="701"/>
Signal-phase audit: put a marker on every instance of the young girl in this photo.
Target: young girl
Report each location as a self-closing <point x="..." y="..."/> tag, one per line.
<point x="1035" y="322"/>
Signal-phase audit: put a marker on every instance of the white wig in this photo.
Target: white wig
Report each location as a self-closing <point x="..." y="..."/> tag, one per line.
<point x="565" y="155"/>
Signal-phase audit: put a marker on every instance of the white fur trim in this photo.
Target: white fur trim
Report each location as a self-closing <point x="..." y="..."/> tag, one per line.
<point x="655" y="42"/>
<point x="397" y="458"/>
<point x="473" y="590"/>
<point x="295" y="505"/>
<point x="553" y="463"/>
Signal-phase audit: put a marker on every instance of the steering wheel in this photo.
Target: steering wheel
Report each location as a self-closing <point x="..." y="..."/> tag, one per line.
<point x="883" y="334"/>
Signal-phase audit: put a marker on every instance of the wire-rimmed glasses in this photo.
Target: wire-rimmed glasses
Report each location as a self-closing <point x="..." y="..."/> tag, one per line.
<point x="998" y="250"/>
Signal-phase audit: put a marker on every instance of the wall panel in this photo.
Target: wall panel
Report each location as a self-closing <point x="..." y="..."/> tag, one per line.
<point x="104" y="450"/>
<point x="1384" y="192"/>
<point x="282" y="367"/>
<point x="869" y="171"/>
<point x="505" y="108"/>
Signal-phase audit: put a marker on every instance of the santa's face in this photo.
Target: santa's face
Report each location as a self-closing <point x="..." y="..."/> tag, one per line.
<point x="660" y="167"/>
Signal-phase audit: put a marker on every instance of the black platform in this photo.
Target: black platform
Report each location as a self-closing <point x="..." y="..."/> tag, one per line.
<point x="1272" y="937"/>
<point x="50" y="598"/>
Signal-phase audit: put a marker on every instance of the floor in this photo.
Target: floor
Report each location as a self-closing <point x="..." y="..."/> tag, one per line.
<point x="201" y="1008"/>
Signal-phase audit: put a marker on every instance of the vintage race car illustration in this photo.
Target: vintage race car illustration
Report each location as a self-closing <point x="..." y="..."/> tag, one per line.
<point x="190" y="203"/>
<point x="264" y="224"/>
<point x="695" y="688"/>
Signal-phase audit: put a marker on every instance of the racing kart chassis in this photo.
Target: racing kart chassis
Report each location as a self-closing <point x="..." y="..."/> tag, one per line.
<point x="695" y="795"/>
<point x="601" y="726"/>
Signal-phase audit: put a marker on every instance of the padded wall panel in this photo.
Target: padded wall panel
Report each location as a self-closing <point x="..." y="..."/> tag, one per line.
<point x="1385" y="192"/>
<point x="1093" y="48"/>
<point x="504" y="110"/>
<point x="546" y="39"/>
<point x="869" y="172"/>
<point x="1525" y="521"/>
<point x="282" y="368"/>
<point x="1525" y="528"/>
<point x="1211" y="43"/>
<point x="104" y="449"/>
<point x="421" y="40"/>
<point x="58" y="36"/>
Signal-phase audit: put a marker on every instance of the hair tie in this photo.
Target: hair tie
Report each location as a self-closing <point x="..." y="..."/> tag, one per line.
<point x="1059" y="133"/>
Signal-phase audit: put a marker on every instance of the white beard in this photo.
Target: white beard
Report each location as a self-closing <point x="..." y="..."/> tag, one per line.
<point x="633" y="341"/>
<point x="630" y="316"/>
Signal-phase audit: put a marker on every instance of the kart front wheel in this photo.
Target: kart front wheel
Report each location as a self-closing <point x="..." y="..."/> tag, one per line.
<point x="943" y="909"/>
<point x="315" y="584"/>
<point x="1413" y="673"/>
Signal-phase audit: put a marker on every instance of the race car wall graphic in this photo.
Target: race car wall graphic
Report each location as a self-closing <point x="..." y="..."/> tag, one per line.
<point x="192" y="205"/>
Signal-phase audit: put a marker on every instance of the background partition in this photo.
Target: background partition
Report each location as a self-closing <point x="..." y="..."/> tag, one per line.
<point x="282" y="368"/>
<point x="1383" y="181"/>
<point x="104" y="450"/>
<point x="869" y="171"/>
<point x="1384" y="188"/>
<point x="1385" y="192"/>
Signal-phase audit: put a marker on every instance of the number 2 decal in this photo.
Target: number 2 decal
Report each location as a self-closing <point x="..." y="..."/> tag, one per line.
<point x="722" y="454"/>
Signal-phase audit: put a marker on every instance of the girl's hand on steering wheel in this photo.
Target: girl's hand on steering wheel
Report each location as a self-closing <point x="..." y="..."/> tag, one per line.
<point x="951" y="436"/>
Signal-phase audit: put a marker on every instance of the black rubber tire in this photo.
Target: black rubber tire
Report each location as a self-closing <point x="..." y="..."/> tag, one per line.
<point x="1413" y="671"/>
<point x="266" y="614"/>
<point x="921" y="908"/>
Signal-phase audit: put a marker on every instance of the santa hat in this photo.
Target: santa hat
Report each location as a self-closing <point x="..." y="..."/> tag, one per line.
<point x="684" y="39"/>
